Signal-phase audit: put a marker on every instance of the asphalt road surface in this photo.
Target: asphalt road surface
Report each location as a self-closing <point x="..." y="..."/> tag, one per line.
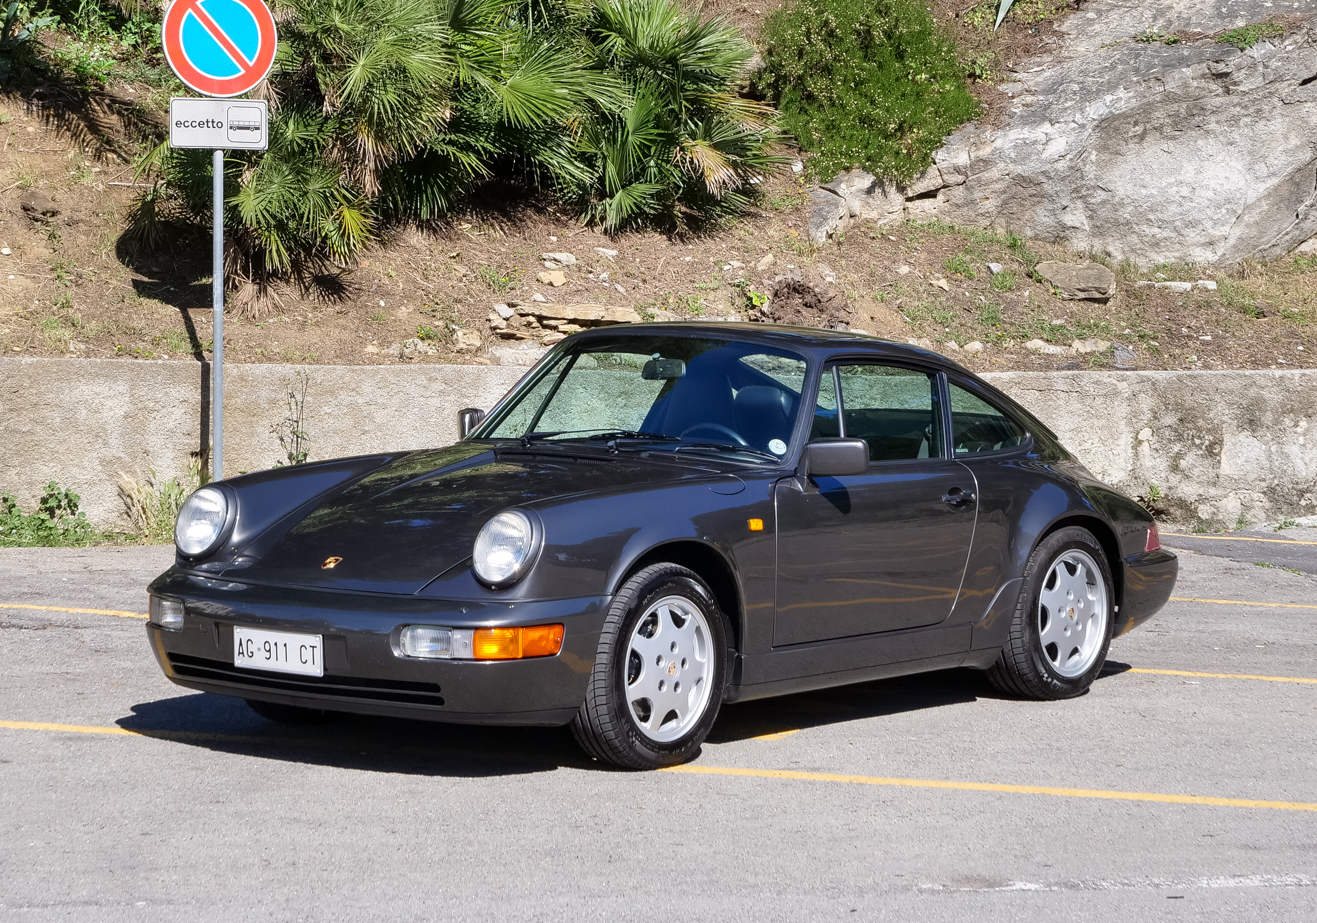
<point x="1182" y="787"/>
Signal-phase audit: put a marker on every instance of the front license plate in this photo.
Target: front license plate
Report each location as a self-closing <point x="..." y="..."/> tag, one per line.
<point x="281" y="651"/>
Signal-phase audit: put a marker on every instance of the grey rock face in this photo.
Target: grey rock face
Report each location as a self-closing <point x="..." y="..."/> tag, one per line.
<point x="858" y="194"/>
<point x="827" y="215"/>
<point x="1079" y="281"/>
<point x="1194" y="152"/>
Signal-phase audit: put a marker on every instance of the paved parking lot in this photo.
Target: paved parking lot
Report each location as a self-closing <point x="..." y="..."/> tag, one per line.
<point x="1183" y="787"/>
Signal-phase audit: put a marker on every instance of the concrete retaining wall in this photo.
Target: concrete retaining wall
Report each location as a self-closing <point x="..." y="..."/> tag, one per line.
<point x="1220" y="445"/>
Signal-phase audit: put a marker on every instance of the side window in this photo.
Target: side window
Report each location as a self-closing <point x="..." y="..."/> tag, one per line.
<point x="977" y="426"/>
<point x="895" y="410"/>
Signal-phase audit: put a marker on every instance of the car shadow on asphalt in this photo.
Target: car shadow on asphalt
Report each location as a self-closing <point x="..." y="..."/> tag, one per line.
<point x="764" y="717"/>
<point x="374" y="744"/>
<point x="877" y="699"/>
<point x="395" y="745"/>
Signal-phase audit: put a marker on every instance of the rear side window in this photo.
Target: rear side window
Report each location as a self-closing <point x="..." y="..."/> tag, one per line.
<point x="893" y="409"/>
<point x="977" y="426"/>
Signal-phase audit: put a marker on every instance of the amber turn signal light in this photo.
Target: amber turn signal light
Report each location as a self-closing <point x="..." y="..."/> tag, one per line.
<point x="756" y="525"/>
<point x="516" y="643"/>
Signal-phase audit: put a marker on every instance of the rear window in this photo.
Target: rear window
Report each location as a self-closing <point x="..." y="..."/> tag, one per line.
<point x="977" y="426"/>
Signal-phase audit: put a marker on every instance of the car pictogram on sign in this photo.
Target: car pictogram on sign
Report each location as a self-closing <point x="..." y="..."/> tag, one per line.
<point x="219" y="47"/>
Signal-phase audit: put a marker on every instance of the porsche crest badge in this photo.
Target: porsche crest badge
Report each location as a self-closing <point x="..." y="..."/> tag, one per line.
<point x="329" y="563"/>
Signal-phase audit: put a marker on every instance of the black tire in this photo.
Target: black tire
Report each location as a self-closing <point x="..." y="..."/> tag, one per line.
<point x="1023" y="669"/>
<point x="604" y="726"/>
<point x="291" y="714"/>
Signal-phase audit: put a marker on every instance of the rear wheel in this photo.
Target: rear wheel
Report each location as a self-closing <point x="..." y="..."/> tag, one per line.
<point x="658" y="674"/>
<point x="291" y="714"/>
<point x="1062" y="624"/>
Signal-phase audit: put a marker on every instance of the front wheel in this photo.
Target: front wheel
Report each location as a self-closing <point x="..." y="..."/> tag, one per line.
<point x="1062" y="624"/>
<point x="659" y="671"/>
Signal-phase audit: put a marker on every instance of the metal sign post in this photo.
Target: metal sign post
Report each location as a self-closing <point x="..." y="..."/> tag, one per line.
<point x="217" y="313"/>
<point x="220" y="48"/>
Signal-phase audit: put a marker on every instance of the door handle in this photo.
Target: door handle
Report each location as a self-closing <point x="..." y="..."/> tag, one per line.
<point x="957" y="497"/>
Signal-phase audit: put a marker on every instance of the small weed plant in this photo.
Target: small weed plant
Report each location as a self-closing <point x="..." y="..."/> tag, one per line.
<point x="1245" y="37"/>
<point x="294" y="440"/>
<point x="1155" y="36"/>
<point x="959" y="265"/>
<point x="152" y="503"/>
<point x="496" y="281"/>
<point x="57" y="521"/>
<point x="865" y="83"/>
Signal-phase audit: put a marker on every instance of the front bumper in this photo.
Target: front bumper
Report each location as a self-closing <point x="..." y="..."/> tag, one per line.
<point x="1149" y="581"/>
<point x="362" y="671"/>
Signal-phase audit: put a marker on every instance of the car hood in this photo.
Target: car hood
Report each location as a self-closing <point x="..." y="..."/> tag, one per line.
<point x="405" y="524"/>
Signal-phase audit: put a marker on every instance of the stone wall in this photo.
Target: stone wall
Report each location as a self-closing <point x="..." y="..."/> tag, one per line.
<point x="82" y="422"/>
<point x="1218" y="444"/>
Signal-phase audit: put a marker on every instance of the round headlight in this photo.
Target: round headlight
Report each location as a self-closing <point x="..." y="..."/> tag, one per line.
<point x="200" y="525"/>
<point x="504" y="548"/>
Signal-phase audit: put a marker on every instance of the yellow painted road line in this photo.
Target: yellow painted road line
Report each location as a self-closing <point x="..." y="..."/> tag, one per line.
<point x="1242" y="602"/>
<point x="787" y="774"/>
<point x="1237" y="538"/>
<point x="777" y="735"/>
<point x="111" y="731"/>
<point x="1101" y="794"/>
<point x="118" y="612"/>
<point x="1269" y="679"/>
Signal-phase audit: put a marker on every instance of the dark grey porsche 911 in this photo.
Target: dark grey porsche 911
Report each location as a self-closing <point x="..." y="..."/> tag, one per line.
<point x="659" y="519"/>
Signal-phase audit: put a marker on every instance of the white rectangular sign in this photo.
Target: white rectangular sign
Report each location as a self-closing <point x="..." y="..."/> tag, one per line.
<point x="219" y="124"/>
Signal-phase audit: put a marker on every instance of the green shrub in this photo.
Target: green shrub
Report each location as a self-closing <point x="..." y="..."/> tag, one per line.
<point x="677" y="142"/>
<point x="56" y="522"/>
<point x="391" y="111"/>
<point x="18" y="29"/>
<point x="865" y="83"/>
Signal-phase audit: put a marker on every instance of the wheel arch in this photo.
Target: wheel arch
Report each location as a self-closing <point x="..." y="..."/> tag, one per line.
<point x="712" y="567"/>
<point x="1106" y="537"/>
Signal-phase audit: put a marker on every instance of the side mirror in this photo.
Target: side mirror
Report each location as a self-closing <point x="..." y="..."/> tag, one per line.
<point x="832" y="458"/>
<point x="469" y="419"/>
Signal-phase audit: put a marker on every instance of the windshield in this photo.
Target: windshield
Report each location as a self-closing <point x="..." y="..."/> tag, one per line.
<point x="681" y="392"/>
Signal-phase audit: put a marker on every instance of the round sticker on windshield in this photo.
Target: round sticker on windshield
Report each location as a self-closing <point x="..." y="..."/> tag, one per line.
<point x="777" y="447"/>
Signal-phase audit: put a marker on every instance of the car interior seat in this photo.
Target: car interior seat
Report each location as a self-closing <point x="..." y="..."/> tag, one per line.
<point x="763" y="413"/>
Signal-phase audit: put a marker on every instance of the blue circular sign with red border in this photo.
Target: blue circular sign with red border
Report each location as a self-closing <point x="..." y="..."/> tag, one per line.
<point x="220" y="47"/>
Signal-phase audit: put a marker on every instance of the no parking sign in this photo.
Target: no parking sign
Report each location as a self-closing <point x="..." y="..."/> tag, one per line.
<point x="220" y="47"/>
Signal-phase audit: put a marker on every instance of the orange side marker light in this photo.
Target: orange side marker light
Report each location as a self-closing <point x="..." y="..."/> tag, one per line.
<point x="756" y="525"/>
<point x="516" y="643"/>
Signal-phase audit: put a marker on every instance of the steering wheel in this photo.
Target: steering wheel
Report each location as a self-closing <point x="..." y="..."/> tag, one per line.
<point x="718" y="429"/>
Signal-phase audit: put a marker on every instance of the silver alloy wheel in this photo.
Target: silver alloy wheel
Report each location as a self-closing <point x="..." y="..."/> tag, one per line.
<point x="1072" y="613"/>
<point x="668" y="670"/>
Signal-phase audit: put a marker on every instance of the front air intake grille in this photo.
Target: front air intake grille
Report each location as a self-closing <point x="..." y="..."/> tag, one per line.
<point x="347" y="687"/>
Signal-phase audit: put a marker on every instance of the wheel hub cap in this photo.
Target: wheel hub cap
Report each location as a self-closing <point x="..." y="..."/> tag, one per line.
<point x="668" y="670"/>
<point x="1072" y="613"/>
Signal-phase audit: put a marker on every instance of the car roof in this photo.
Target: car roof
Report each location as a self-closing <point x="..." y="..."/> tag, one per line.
<point x="782" y="336"/>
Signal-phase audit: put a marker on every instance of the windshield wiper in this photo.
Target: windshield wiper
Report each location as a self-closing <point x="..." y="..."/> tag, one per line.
<point x="724" y="447"/>
<point x="635" y="434"/>
<point x="605" y="434"/>
<point x="592" y="434"/>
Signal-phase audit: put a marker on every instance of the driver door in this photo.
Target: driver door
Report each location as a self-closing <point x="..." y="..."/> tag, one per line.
<point x="885" y="550"/>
